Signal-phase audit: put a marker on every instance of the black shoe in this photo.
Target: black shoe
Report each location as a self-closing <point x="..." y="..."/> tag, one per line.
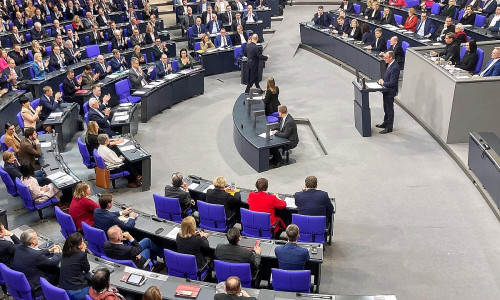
<point x="387" y="130"/>
<point x="280" y="163"/>
<point x="383" y="125"/>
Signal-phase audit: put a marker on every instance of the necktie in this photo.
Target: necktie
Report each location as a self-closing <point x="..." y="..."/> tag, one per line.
<point x="230" y="18"/>
<point x="223" y="41"/>
<point x="420" y="25"/>
<point x="198" y="29"/>
<point x="376" y="42"/>
<point x="165" y="67"/>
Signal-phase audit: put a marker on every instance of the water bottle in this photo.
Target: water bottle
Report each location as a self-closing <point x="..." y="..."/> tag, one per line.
<point x="233" y="186"/>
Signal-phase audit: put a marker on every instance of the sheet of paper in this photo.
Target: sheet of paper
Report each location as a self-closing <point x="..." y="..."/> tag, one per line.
<point x="147" y="274"/>
<point x="139" y="93"/>
<point x="45" y="144"/>
<point x="148" y="86"/>
<point x="121" y="113"/>
<point x="373" y="85"/>
<point x="126" y="104"/>
<point x="437" y="44"/>
<point x="462" y="77"/>
<point x="113" y="76"/>
<point x="171" y="76"/>
<point x="173" y="233"/>
<point x="425" y="40"/>
<point x="290" y="202"/>
<point x="127" y="148"/>
<point x="263" y="135"/>
<point x="123" y="143"/>
<point x="121" y="118"/>
<point x="55" y="114"/>
<point x="210" y="187"/>
<point x="193" y="186"/>
<point x="56" y="175"/>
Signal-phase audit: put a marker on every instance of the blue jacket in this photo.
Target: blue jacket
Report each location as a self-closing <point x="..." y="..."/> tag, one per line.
<point x="391" y="78"/>
<point x="98" y="69"/>
<point x="314" y="202"/>
<point x="429" y="27"/>
<point x="104" y="219"/>
<point x="211" y="24"/>
<point x="116" y="65"/>
<point x="48" y="106"/>
<point x="195" y="30"/>
<point x="37" y="71"/>
<point x="291" y="256"/>
<point x="218" y="41"/>
<point x="161" y="72"/>
<point x="493" y="71"/>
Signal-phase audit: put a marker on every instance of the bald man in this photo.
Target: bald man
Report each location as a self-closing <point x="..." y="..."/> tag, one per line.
<point x="233" y="290"/>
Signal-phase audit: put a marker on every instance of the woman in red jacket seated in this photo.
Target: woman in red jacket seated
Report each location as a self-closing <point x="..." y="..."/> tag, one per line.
<point x="411" y="21"/>
<point x="82" y="208"/>
<point x="398" y="3"/>
<point x="264" y="202"/>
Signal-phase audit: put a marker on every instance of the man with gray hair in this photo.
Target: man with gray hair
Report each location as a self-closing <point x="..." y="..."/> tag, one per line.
<point x="390" y="81"/>
<point x="35" y="263"/>
<point x="137" y="76"/>
<point x="254" y="55"/>
<point x="179" y="189"/>
<point x="70" y="55"/>
<point x="37" y="33"/>
<point x="291" y="256"/>
<point x="103" y="119"/>
<point x="13" y="75"/>
<point x="118" y="41"/>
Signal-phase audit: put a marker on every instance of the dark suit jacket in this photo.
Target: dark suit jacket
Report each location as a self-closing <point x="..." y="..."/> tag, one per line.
<point x="195" y="245"/>
<point x="218" y="41"/>
<point x="237" y="39"/>
<point x="489" y="8"/>
<point x="136" y="40"/>
<point x="104" y="219"/>
<point x="448" y="11"/>
<point x="20" y="24"/>
<point x="125" y="252"/>
<point x="95" y="39"/>
<point x="468" y="62"/>
<point x="53" y="62"/>
<point x="450" y="28"/>
<point x="237" y="254"/>
<point x="48" y="106"/>
<point x="389" y="19"/>
<point x="391" y="78"/>
<point x="69" y="88"/>
<point x="313" y="202"/>
<point x="195" y="30"/>
<point x="342" y="28"/>
<point x="254" y="55"/>
<point x="291" y="256"/>
<point x="179" y="193"/>
<point x="204" y="17"/>
<point x="494" y="70"/>
<point x="38" y="19"/>
<point x="102" y="120"/>
<point x="224" y="296"/>
<point x="429" y="27"/>
<point x="157" y="52"/>
<point x="98" y="69"/>
<point x="369" y="13"/>
<point x="232" y="204"/>
<point x="381" y="45"/>
<point x="398" y="53"/>
<point x="324" y="20"/>
<point x="35" y="264"/>
<point x="114" y="44"/>
<point x="469" y="20"/>
<point x="68" y="58"/>
<point x="234" y="25"/>
<point x="349" y="8"/>
<point x="245" y="16"/>
<point x="211" y="24"/>
<point x="18" y="58"/>
<point x="61" y="31"/>
<point x="368" y="38"/>
<point x="13" y="170"/>
<point x="136" y="79"/>
<point x="224" y="17"/>
<point x="116" y="65"/>
<point x="451" y="52"/>
<point x="289" y="131"/>
<point x="6" y="73"/>
<point x="13" y="39"/>
<point x="100" y="21"/>
<point x="7" y="250"/>
<point x="37" y="35"/>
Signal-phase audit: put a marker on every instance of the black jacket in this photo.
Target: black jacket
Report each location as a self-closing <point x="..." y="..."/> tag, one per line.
<point x="7" y="250"/>
<point x="194" y="245"/>
<point x="181" y="194"/>
<point x="381" y="45"/>
<point x="232" y="204"/>
<point x="18" y="58"/>
<point x="288" y="131"/>
<point x="271" y="101"/>
<point x="69" y="88"/>
<point x="125" y="252"/>
<point x="238" y="254"/>
<point x="13" y="170"/>
<point x="451" y="53"/>
<point x="72" y="273"/>
<point x="313" y="202"/>
<point x="468" y="62"/>
<point x="69" y="59"/>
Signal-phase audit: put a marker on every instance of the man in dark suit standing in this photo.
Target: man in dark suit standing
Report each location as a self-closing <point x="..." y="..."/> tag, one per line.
<point x="254" y="55"/>
<point x="18" y="55"/>
<point x="7" y="248"/>
<point x="233" y="291"/>
<point x="322" y="18"/>
<point x="56" y="60"/>
<point x="35" y="263"/>
<point x="30" y="148"/>
<point x="118" y="62"/>
<point x="390" y="81"/>
<point x="286" y="129"/>
<point x="95" y="36"/>
<point x="179" y="189"/>
<point x="15" y="37"/>
<point x="163" y="67"/>
<point x="70" y="87"/>
<point x="137" y="252"/>
<point x="234" y="253"/>
<point x="159" y="49"/>
<point x="313" y="202"/>
<point x="291" y="256"/>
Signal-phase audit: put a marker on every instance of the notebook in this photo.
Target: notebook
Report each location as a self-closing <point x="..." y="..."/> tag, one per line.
<point x="188" y="291"/>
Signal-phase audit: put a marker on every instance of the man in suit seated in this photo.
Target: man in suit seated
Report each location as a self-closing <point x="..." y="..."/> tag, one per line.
<point x="73" y="37"/>
<point x="138" y="252"/>
<point x="102" y="19"/>
<point x="15" y="37"/>
<point x="38" y="17"/>
<point x="70" y="55"/>
<point x="321" y="18"/>
<point x="291" y="256"/>
<point x="49" y="102"/>
<point x="488" y="8"/>
<point x="137" y="77"/>
<point x="493" y="21"/>
<point x="380" y="43"/>
<point x="102" y="118"/>
<point x="341" y="27"/>
<point x="238" y="6"/>
<point x="233" y="291"/>
<point x="493" y="66"/>
<point x="238" y="21"/>
<point x="347" y="6"/>
<point x="101" y="67"/>
<point x="118" y="62"/>
<point x="137" y="38"/>
<point x="202" y="6"/>
<point x="95" y="36"/>
<point x="286" y="129"/>
<point x="163" y="67"/>
<point x="447" y="27"/>
<point x="426" y="27"/>
<point x="13" y="76"/>
<point x="35" y="263"/>
<point x="118" y="41"/>
<point x="105" y="219"/>
<point x="179" y="189"/>
<point x="102" y="100"/>
<point x="240" y="38"/>
<point x="214" y="26"/>
<point x="7" y="248"/>
<point x="20" y="22"/>
<point x="313" y="202"/>
<point x="56" y="59"/>
<point x="38" y="33"/>
<point x="187" y="21"/>
<point x="390" y="81"/>
<point x="222" y="40"/>
<point x="29" y="148"/>
<point x="250" y="15"/>
<point x="234" y="253"/>
<point x="452" y="50"/>
<point x="198" y="29"/>
<point x="18" y="55"/>
<point x="388" y="17"/>
<point x="57" y="29"/>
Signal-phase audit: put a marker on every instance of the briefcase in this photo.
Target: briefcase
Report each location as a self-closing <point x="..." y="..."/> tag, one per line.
<point x="102" y="178"/>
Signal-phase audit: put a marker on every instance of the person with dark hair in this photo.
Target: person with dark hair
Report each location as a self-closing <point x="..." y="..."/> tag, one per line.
<point x="379" y="42"/>
<point x="367" y="36"/>
<point x="261" y="201"/>
<point x="152" y="293"/>
<point x="74" y="266"/>
<point x="7" y="248"/>
<point x="104" y="219"/>
<point x="452" y="50"/>
<point x="231" y="201"/>
<point x="11" y="139"/>
<point x="32" y="117"/>
<point x="322" y="18"/>
<point x="469" y="17"/>
<point x="100" y="289"/>
<point x="11" y="166"/>
<point x="254" y="55"/>
<point x="185" y="61"/>
<point x="235" y="253"/>
<point x="233" y="290"/>
<point x="30" y="148"/>
<point x="287" y="128"/>
<point x="291" y="256"/>
<point x="469" y="61"/>
<point x="190" y="241"/>
<point x="70" y="87"/>
<point x="313" y="202"/>
<point x="39" y="193"/>
<point x="49" y="102"/>
<point x="82" y="208"/>
<point x="179" y="189"/>
<point x="271" y="98"/>
<point x="390" y="81"/>
<point x="88" y="77"/>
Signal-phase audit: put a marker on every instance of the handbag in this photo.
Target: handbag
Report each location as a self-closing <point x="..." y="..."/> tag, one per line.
<point x="102" y="178"/>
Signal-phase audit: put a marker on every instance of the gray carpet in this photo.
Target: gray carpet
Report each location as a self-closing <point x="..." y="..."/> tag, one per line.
<point x="408" y="220"/>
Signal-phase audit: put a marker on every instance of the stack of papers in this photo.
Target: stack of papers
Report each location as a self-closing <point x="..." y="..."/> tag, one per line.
<point x="55" y="115"/>
<point x="373" y="85"/>
<point x="45" y="144"/>
<point x="171" y="76"/>
<point x="113" y="76"/>
<point x="121" y="118"/>
<point x="146" y="273"/>
<point x="263" y="135"/>
<point x="127" y="148"/>
<point x="290" y="202"/>
<point x="60" y="178"/>
<point x="193" y="186"/>
<point x="173" y="233"/>
<point x="125" y="104"/>
<point x="210" y="187"/>
<point x="121" y="113"/>
<point x="148" y="86"/>
<point x="123" y="143"/>
<point x="139" y="93"/>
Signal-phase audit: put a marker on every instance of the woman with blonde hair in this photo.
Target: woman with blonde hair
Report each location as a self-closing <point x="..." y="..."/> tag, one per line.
<point x="232" y="203"/>
<point x="271" y="98"/>
<point x="77" y="24"/>
<point x="39" y="67"/>
<point x="36" y="48"/>
<point x="206" y="43"/>
<point x="82" y="208"/>
<point x="137" y="54"/>
<point x="3" y="59"/>
<point x="190" y="241"/>
<point x="150" y="36"/>
<point x="91" y="138"/>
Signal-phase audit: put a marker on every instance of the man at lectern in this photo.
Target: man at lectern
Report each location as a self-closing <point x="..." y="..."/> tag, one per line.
<point x="286" y="129"/>
<point x="390" y="81"/>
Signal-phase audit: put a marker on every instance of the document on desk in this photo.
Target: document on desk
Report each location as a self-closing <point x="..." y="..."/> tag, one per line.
<point x="55" y="115"/>
<point x="171" y="76"/>
<point x="147" y="274"/>
<point x="156" y="83"/>
<point x="121" y="113"/>
<point x="290" y="202"/>
<point x="263" y="135"/>
<point x="193" y="186"/>
<point x="123" y="143"/>
<point x="255" y="97"/>
<point x="45" y="144"/>
<point x="173" y="233"/>
<point x="373" y="85"/>
<point x="148" y="86"/>
<point x="56" y="175"/>
<point x="127" y="148"/>
<point x="139" y="93"/>
<point x="121" y="118"/>
<point x="210" y="187"/>
<point x="125" y="104"/>
<point x="113" y="76"/>
<point x="425" y="40"/>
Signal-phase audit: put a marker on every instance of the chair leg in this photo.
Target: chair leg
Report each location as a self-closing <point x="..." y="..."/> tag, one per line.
<point x="287" y="160"/>
<point x="40" y="214"/>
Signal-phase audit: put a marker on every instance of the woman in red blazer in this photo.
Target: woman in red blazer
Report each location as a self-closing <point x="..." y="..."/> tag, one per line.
<point x="411" y="21"/>
<point x="82" y="208"/>
<point x="264" y="202"/>
<point x="398" y="3"/>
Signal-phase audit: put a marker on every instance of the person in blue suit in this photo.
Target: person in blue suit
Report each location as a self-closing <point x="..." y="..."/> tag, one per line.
<point x="347" y="6"/>
<point x="118" y="62"/>
<point x="198" y="29"/>
<point x="213" y="26"/>
<point x="291" y="256"/>
<point x="39" y="67"/>
<point x="322" y="18"/>
<point x="222" y="40"/>
<point x="101" y="67"/>
<point x="49" y="103"/>
<point x="426" y="27"/>
<point x="105" y="219"/>
<point x="390" y="81"/>
<point x="313" y="202"/>
<point x="163" y="67"/>
<point x="250" y="16"/>
<point x="493" y="66"/>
